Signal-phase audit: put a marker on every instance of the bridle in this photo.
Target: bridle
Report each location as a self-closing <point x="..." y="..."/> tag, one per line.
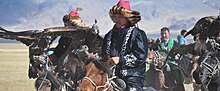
<point x="213" y="70"/>
<point x="41" y="84"/>
<point x="158" y="56"/>
<point x="214" y="44"/>
<point x="105" y="86"/>
<point x="109" y="83"/>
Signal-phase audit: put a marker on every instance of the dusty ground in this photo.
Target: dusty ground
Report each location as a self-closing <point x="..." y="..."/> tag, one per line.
<point x="14" y="68"/>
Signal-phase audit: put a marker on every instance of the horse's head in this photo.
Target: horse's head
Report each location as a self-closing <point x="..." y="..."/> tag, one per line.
<point x="156" y="58"/>
<point x="96" y="78"/>
<point x="42" y="84"/>
<point x="210" y="68"/>
<point x="153" y="43"/>
<point x="150" y="56"/>
<point x="48" y="82"/>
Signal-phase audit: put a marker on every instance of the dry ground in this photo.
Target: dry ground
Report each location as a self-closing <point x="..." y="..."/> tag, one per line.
<point x="14" y="69"/>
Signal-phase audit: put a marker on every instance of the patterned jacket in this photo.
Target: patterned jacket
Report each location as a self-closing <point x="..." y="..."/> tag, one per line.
<point x="130" y="44"/>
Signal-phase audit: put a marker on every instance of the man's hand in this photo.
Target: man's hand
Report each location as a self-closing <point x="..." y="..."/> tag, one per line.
<point x="114" y="60"/>
<point x="90" y="55"/>
<point x="177" y="56"/>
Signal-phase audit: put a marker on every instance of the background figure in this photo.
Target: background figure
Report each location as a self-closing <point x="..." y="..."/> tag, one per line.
<point x="181" y="39"/>
<point x="126" y="46"/>
<point x="95" y="27"/>
<point x="72" y="19"/>
<point x="166" y="43"/>
<point x="217" y="38"/>
<point x="173" y="76"/>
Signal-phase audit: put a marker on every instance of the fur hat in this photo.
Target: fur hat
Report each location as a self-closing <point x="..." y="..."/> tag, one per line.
<point x="123" y="7"/>
<point x="74" y="19"/>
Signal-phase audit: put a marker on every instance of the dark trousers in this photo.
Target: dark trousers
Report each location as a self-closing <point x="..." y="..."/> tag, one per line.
<point x="134" y="83"/>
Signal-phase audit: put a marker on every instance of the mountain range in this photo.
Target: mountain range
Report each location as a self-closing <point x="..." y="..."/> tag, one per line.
<point x="19" y="15"/>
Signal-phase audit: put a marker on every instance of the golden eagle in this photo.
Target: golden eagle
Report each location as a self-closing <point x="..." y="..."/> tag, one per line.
<point x="39" y="42"/>
<point x="201" y="28"/>
<point x="80" y="36"/>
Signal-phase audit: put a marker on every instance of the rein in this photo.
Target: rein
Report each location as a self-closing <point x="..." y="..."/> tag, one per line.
<point x="41" y="84"/>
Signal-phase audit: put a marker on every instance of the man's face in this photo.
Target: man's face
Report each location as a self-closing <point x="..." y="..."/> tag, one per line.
<point x="184" y="33"/>
<point x="218" y="37"/>
<point x="67" y="23"/>
<point x="119" y="20"/>
<point x="165" y="35"/>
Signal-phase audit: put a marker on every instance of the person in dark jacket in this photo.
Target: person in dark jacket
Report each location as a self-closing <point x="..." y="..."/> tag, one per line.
<point x="126" y="46"/>
<point x="72" y="19"/>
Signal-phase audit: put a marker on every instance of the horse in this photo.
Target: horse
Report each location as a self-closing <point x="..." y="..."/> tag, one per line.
<point x="205" y="32"/>
<point x="157" y="76"/>
<point x="155" y="60"/>
<point x="97" y="77"/>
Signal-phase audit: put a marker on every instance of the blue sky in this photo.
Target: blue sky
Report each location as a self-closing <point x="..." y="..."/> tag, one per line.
<point x="21" y="15"/>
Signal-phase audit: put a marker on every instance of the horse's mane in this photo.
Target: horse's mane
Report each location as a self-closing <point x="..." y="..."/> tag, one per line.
<point x="102" y="65"/>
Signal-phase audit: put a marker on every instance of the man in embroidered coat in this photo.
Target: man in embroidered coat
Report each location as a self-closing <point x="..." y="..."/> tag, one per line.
<point x="126" y="46"/>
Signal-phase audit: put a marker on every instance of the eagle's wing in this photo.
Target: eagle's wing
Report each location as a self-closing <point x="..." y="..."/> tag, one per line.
<point x="62" y="31"/>
<point x="32" y="36"/>
<point x="29" y="36"/>
<point x="24" y="36"/>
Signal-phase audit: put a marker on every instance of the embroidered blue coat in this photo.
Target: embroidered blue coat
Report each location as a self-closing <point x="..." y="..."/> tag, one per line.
<point x="132" y="56"/>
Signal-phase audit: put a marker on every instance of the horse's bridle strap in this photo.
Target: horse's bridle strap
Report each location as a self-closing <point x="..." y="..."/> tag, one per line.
<point x="106" y="85"/>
